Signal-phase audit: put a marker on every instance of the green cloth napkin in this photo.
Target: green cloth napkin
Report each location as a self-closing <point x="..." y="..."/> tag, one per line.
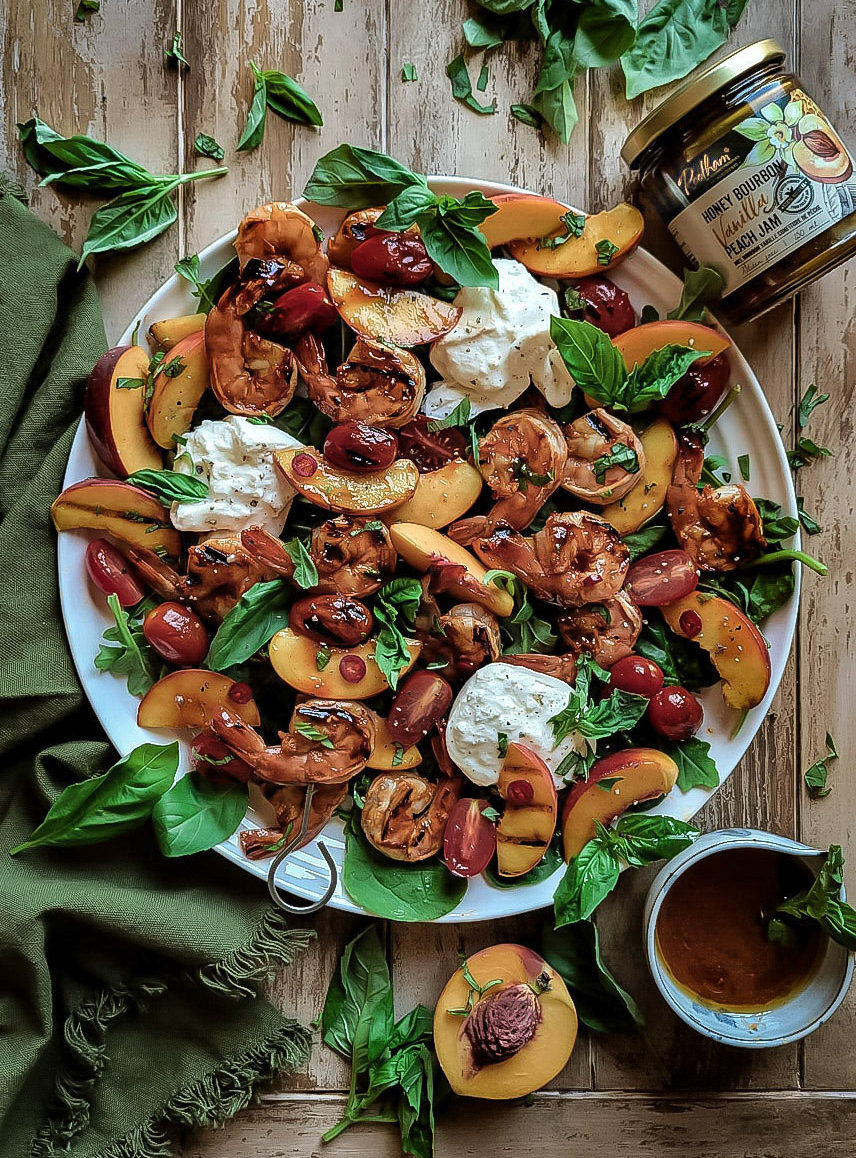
<point x="128" y="983"/>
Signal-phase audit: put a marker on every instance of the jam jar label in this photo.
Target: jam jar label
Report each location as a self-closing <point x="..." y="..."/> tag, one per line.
<point x="778" y="179"/>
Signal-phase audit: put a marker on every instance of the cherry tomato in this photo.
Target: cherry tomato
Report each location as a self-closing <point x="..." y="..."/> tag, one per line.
<point x="690" y="623"/>
<point x="421" y="701"/>
<point x="177" y="634"/>
<point x="636" y="674"/>
<point x="304" y="465"/>
<point x="469" y="840"/>
<point x="352" y="668"/>
<point x="109" y="571"/>
<point x="606" y="306"/>
<point x="358" y="447"/>
<point x="430" y="449"/>
<point x="400" y="258"/>
<point x="240" y="693"/>
<point x="337" y="619"/>
<point x="519" y="793"/>
<point x="675" y="713"/>
<point x="304" y="307"/>
<point x="210" y="757"/>
<point x="661" y="578"/>
<point x="695" y="395"/>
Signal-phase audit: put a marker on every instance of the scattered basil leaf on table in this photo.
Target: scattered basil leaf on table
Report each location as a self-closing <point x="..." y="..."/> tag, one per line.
<point x="408" y="72"/>
<point x="815" y="777"/>
<point x="254" y="620"/>
<point x="553" y="97"/>
<point x="809" y="401"/>
<point x="274" y="90"/>
<point x="809" y="524"/>
<point x="462" y="89"/>
<point x="174" y="54"/>
<point x="601" y="1002"/>
<point x="170" y="486"/>
<point x="120" y="799"/>
<point x="395" y="608"/>
<point x="207" y="146"/>
<point x="86" y="8"/>
<point x="821" y="902"/>
<point x="702" y="287"/>
<point x="527" y="115"/>
<point x="195" y="814"/>
<point x="125" y="651"/>
<point x="806" y="451"/>
<point x="605" y="30"/>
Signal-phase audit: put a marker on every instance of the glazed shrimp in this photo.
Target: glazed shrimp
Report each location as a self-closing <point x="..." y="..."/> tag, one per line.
<point x="718" y="527"/>
<point x="466" y="637"/>
<point x="288" y="802"/>
<point x="304" y="754"/>
<point x="522" y="459"/>
<point x="606" y="631"/>
<point x="560" y="667"/>
<point x="352" y="558"/>
<point x="593" y="441"/>
<point x="280" y="231"/>
<point x="379" y="383"/>
<point x="249" y="374"/>
<point x="575" y="558"/>
<point x="405" y="815"/>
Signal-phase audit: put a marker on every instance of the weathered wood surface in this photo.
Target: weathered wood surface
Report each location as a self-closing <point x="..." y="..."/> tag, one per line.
<point x="107" y="77"/>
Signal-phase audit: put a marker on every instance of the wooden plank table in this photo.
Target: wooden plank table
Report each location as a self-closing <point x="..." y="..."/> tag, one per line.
<point x="673" y="1092"/>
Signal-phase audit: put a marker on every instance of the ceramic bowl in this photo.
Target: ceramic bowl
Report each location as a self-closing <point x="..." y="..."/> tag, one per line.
<point x="797" y="1016"/>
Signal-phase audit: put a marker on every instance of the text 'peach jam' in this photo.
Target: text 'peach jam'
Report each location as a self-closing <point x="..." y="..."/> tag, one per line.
<point x="750" y="177"/>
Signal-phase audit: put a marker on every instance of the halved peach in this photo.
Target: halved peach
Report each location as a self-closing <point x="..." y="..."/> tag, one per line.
<point x="441" y="496"/>
<point x="116" y="508"/>
<point x="648" y="495"/>
<point x="736" y="647"/>
<point x="523" y="998"/>
<point x="621" y="226"/>
<point x="614" y="783"/>
<point x="405" y="317"/>
<point x="424" y="547"/>
<point x="522" y="215"/>
<point x="386" y="755"/>
<point x="317" y="481"/>
<point x="635" y="345"/>
<point x="170" y="331"/>
<point x="116" y="413"/>
<point x="181" y="382"/>
<point x="189" y="699"/>
<point x="527" y="825"/>
<point x="295" y="659"/>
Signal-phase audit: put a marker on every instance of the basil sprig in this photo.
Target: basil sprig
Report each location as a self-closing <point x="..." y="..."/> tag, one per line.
<point x="596" y="719"/>
<point x="170" y="486"/>
<point x="143" y="207"/>
<point x="822" y="902"/>
<point x="395" y="607"/>
<point x="523" y="631"/>
<point x="195" y="814"/>
<point x="254" y="620"/>
<point x="119" y="800"/>
<point x="353" y="178"/>
<point x="274" y="90"/>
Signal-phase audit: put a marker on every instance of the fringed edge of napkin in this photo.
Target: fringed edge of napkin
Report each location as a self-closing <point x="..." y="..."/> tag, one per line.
<point x="212" y="1099"/>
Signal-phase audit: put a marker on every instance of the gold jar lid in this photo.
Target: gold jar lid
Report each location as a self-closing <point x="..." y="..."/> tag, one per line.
<point x="694" y="92"/>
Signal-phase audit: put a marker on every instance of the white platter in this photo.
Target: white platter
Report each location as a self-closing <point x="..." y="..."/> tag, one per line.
<point x="748" y="426"/>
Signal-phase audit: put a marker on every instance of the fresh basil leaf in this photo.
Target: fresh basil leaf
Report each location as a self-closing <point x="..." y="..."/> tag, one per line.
<point x="254" y="129"/>
<point x="648" y="383"/>
<point x="810" y="525"/>
<point x="554" y="95"/>
<point x="403" y="210"/>
<point x="640" y="542"/>
<point x="595" y="719"/>
<point x="590" y="877"/>
<point x="527" y="115"/>
<point x="354" y="178"/>
<point x="620" y="455"/>
<point x="593" y="361"/>
<point x="254" y="620"/>
<point x="605" y="30"/>
<point x="131" y="219"/>
<point x="84" y="8"/>
<point x="408" y="72"/>
<point x="286" y="98"/>
<point x="396" y="603"/>
<point x="305" y="572"/>
<point x="109" y="805"/>
<point x="822" y="902"/>
<point x="776" y="525"/>
<point x="207" y="292"/>
<point x="744" y="466"/>
<point x="453" y="240"/>
<point x="601" y="1002"/>
<point x="696" y="769"/>
<point x="809" y="401"/>
<point x="523" y="630"/>
<point x="170" y="486"/>
<point x="482" y="31"/>
<point x="805" y="452"/>
<point x="460" y="416"/>
<point x="815" y="777"/>
<point x="195" y="814"/>
<point x="313" y="733"/>
<point x="462" y="89"/>
<point x="206" y="146"/>
<point x="640" y="839"/>
<point x="77" y="161"/>
<point x="125" y="651"/>
<point x="702" y="286"/>
<point x="174" y="55"/>
<point x="358" y="1018"/>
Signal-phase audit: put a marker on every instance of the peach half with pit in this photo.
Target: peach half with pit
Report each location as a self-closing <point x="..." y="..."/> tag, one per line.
<point x="606" y="239"/>
<point x="170" y="331"/>
<point x="504" y="1025"/>
<point x="191" y="698"/>
<point x="405" y="317"/>
<point x="820" y="152"/>
<point x="528" y="822"/>
<point x="326" y="486"/>
<point x="441" y="496"/>
<point x="177" y="389"/>
<point x="646" y="499"/>
<point x="115" y="411"/>
<point x="336" y="673"/>
<point x="614" y="783"/>
<point x="118" y="510"/>
<point x="425" y="548"/>
<point x="637" y="344"/>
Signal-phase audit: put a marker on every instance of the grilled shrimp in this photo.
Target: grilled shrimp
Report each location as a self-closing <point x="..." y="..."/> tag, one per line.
<point x="249" y="374"/>
<point x="305" y="754"/>
<point x="606" y="631"/>
<point x="560" y="667"/>
<point x="352" y="558"/>
<point x="522" y="459"/>
<point x="280" y="231"/>
<point x="466" y="637"/>
<point x="380" y="383"/>
<point x="405" y="815"/>
<point x="575" y="558"/>
<point x="594" y="441"/>
<point x="288" y="802"/>
<point x="718" y="527"/>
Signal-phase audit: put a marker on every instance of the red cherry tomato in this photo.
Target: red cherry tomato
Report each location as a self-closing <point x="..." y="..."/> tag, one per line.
<point x="421" y="701"/>
<point x="661" y="578"/>
<point x="606" y="306"/>
<point x="469" y="840"/>
<point x="400" y="258"/>
<point x="519" y="793"/>
<point x="305" y="307"/>
<point x="690" y="623"/>
<point x="304" y="465"/>
<point x="430" y="449"/>
<point x="109" y="571"/>
<point x="675" y="713"/>
<point x="352" y="668"/>
<point x="177" y="634"/>
<point x="695" y="395"/>
<point x="358" y="447"/>
<point x="240" y="693"/>
<point x="636" y="674"/>
<point x="210" y="757"/>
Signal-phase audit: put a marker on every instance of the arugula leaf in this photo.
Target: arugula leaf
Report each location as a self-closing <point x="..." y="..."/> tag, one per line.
<point x="640" y="542"/>
<point x="254" y="620"/>
<point x="206" y="146"/>
<point x="305" y="572"/>
<point x="195" y="814"/>
<point x="809" y="401"/>
<point x="119" y="800"/>
<point x="815" y="776"/>
<point x="601" y="1002"/>
<point x="397" y="602"/>
<point x="695" y="766"/>
<point x="702" y="286"/>
<point x="462" y="89"/>
<point x="822" y="902"/>
<point x="133" y="657"/>
<point x="170" y="486"/>
<point x="274" y="90"/>
<point x="174" y="55"/>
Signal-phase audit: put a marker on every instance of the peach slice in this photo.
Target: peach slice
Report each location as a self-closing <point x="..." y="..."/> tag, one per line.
<point x="170" y="331"/>
<point x="323" y="484"/>
<point x="522" y="215"/>
<point x="115" y="411"/>
<point x="295" y="659"/>
<point x="635" y="345"/>
<point x="441" y="496"/>
<point x="660" y="447"/>
<point x="424" y="547"/>
<point x="405" y="317"/>
<point x="523" y="998"/>
<point x="622" y="226"/>
<point x="175" y="396"/>
<point x="614" y="783"/>
<point x="736" y="646"/>
<point x="189" y="699"/>
<point x="116" y="508"/>
<point x="527" y="825"/>
<point x="387" y="756"/>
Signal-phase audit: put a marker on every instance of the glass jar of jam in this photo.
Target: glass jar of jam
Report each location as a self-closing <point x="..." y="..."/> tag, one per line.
<point x="750" y="177"/>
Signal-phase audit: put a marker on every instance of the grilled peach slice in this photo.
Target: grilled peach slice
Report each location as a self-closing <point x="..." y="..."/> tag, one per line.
<point x="620" y="227"/>
<point x="423" y="548"/>
<point x="648" y="495"/>
<point x="635" y="345"/>
<point x="527" y="825"/>
<point x="178" y="386"/>
<point x="170" y="331"/>
<point x="441" y="496"/>
<point x="348" y="673"/>
<point x="115" y="411"/>
<point x="189" y="699"/>
<point x="405" y="317"/>
<point x="317" y="481"/>
<point x="522" y="215"/>
<point x="387" y="755"/>
<point x="118" y="509"/>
